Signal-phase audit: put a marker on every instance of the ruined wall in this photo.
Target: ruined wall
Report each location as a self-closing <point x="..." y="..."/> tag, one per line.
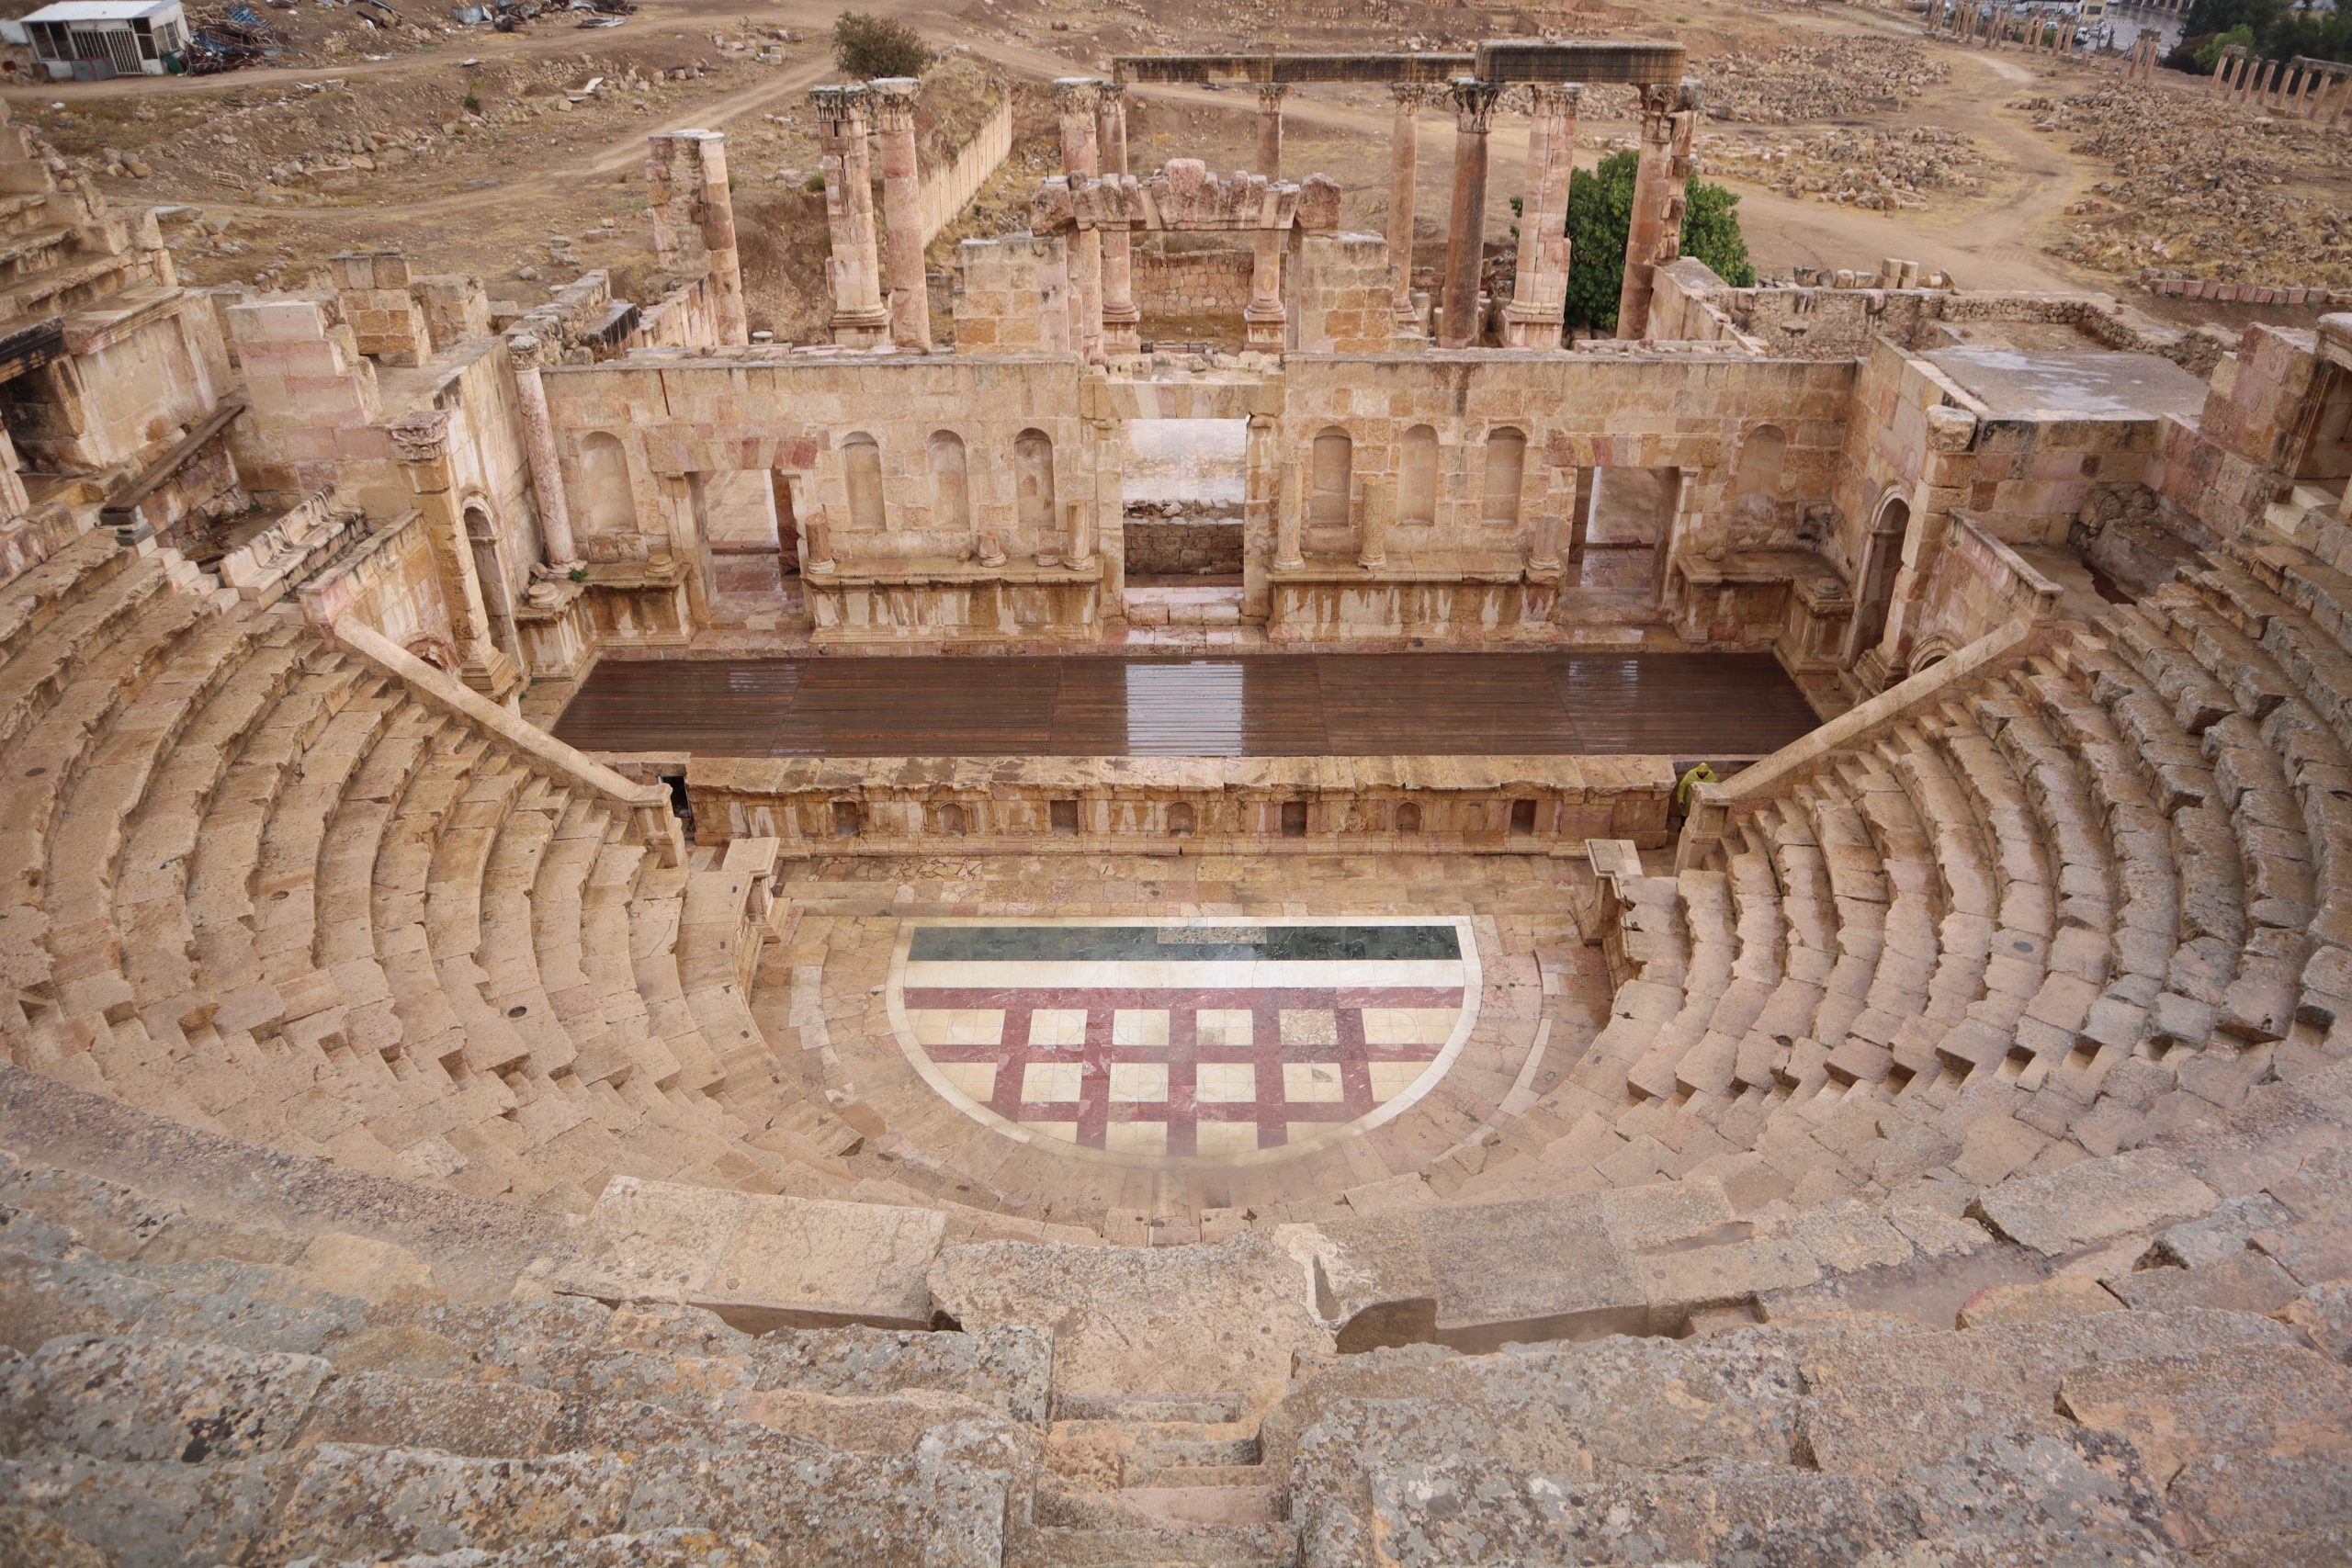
<point x="632" y="435"/>
<point x="1012" y="295"/>
<point x="2032" y="477"/>
<point x="1342" y="301"/>
<point x="1649" y="410"/>
<point x="1885" y="453"/>
<point x="122" y="400"/>
<point x="946" y="187"/>
<point x="487" y="465"/>
<point x="1184" y="283"/>
<point x="314" y="403"/>
<point x="1976" y="584"/>
<point x="388" y="582"/>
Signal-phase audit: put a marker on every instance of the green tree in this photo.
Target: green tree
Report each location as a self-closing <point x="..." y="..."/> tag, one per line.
<point x="867" y="47"/>
<point x="1601" y="210"/>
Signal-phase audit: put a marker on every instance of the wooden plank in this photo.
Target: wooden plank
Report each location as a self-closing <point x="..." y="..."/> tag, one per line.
<point x="1685" y="705"/>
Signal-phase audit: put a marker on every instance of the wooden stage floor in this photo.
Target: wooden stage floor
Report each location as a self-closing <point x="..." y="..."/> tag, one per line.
<point x="1713" y="706"/>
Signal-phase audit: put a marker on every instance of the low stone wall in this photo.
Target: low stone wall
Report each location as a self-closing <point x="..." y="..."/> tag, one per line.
<point x="2308" y="298"/>
<point x="1181" y="805"/>
<point x="1182" y="546"/>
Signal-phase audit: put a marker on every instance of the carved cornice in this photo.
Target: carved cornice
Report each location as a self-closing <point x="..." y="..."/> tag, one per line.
<point x="420" y="437"/>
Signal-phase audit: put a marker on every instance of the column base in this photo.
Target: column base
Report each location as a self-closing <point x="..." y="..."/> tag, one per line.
<point x="862" y="330"/>
<point x="1262" y="328"/>
<point x="492" y="673"/>
<point x="1533" y="327"/>
<point x="1122" y="334"/>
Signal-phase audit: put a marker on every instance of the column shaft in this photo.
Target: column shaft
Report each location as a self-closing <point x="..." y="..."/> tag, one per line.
<point x="1474" y="107"/>
<point x="1654" y="237"/>
<point x="1270" y="129"/>
<point x="538" y="445"/>
<point x="1540" y="296"/>
<point x="1074" y="97"/>
<point x="851" y="272"/>
<point x="1120" y="317"/>
<point x="894" y="114"/>
<point x="1404" y="171"/>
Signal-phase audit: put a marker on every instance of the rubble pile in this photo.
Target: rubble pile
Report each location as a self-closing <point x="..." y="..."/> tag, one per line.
<point x="1883" y="171"/>
<point x="2205" y="189"/>
<point x="1818" y="80"/>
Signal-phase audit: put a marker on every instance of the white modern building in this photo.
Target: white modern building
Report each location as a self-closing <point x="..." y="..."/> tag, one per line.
<point x="85" y="39"/>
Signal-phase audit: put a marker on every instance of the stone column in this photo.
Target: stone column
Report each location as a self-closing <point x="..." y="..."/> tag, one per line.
<point x="717" y="213"/>
<point x="1465" y="225"/>
<point x="1074" y="99"/>
<point x="421" y="443"/>
<point x="1670" y="121"/>
<point x="853" y="272"/>
<point x="1120" y="317"/>
<point x="1269" y="128"/>
<point x="1372" y="533"/>
<point x="1101" y="512"/>
<point x="2343" y="100"/>
<point x="1539" y="297"/>
<point x="1261" y="495"/>
<point x="1404" y="170"/>
<point x="1289" y="512"/>
<point x="1263" y="319"/>
<point x="522" y="352"/>
<point x="894" y="117"/>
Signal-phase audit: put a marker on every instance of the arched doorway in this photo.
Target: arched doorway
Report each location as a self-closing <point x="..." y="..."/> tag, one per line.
<point x="490" y="573"/>
<point x="1874" y="582"/>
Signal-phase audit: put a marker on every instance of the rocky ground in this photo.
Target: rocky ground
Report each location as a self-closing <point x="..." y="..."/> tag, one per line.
<point x="2207" y="189"/>
<point x="1819" y="79"/>
<point x="1883" y="171"/>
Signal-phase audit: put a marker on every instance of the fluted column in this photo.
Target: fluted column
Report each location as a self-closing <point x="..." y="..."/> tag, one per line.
<point x="1074" y="99"/>
<point x="1269" y="128"/>
<point x="421" y="443"/>
<point x="1540" y="296"/>
<point x="1120" y="317"/>
<point x="522" y="352"/>
<point x="1466" y="222"/>
<point x="894" y="117"/>
<point x="1669" y="121"/>
<point x="1404" y="171"/>
<point x="851" y="272"/>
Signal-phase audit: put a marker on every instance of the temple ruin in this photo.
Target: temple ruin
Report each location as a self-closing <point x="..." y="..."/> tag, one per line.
<point x="1731" y="942"/>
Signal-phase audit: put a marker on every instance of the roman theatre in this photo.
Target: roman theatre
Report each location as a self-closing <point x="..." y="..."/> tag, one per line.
<point x="1033" y="936"/>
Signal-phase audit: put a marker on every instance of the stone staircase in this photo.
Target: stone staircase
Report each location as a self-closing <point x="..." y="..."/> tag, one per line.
<point x="1129" y="1479"/>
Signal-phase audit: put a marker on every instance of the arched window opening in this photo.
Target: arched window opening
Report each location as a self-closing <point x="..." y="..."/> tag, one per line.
<point x="1506" y="469"/>
<point x="951" y="491"/>
<point x="1332" y="469"/>
<point x="1033" y="472"/>
<point x="1409" y="818"/>
<point x="1180" y="821"/>
<point x="953" y="821"/>
<point x="862" y="474"/>
<point x="1417" y="477"/>
<point x="606" y="505"/>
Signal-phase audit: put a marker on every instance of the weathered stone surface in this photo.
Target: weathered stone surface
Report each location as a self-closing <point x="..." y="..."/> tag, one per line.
<point x="154" y="1516"/>
<point x="2096" y="1200"/>
<point x="36" y="1538"/>
<point x="156" y="1399"/>
<point x="488" y="1420"/>
<point x="1460" y="1515"/>
<point x="2243" y="1399"/>
<point x="1543" y="1270"/>
<point x="1008" y="1368"/>
<point x="1216" y="1315"/>
<point x="760" y="1262"/>
<point x="2248" y="1281"/>
<point x="2067" y="1295"/>
<point x="2323" y="1315"/>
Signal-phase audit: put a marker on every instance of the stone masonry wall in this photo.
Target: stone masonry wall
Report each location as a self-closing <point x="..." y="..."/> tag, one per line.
<point x="1186" y="283"/>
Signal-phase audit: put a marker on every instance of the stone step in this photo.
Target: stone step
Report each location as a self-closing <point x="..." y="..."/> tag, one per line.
<point x="1061" y="1507"/>
<point x="1206" y="1546"/>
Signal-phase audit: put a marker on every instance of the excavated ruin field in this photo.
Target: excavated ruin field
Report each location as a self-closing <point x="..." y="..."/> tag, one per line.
<point x="518" y="156"/>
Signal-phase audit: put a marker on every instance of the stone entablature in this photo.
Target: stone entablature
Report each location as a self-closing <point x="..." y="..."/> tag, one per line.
<point x="1195" y="804"/>
<point x="1185" y="197"/>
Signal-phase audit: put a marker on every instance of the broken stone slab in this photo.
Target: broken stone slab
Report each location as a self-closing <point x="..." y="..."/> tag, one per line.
<point x="2036" y="1301"/>
<point x="2324" y="1315"/>
<point x="2220" y="1235"/>
<point x="760" y="1262"/>
<point x="1009" y="1367"/>
<point x="1371" y="1278"/>
<point x="2082" y="1205"/>
<point x="2279" y="1399"/>
<point x="2245" y="1282"/>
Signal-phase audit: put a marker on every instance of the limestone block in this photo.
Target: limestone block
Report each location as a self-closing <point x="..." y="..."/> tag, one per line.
<point x="156" y="1399"/>
<point x="1372" y="1279"/>
<point x="2096" y="1201"/>
<point x="1541" y="1270"/>
<point x="760" y="1262"/>
<point x="2280" y="1398"/>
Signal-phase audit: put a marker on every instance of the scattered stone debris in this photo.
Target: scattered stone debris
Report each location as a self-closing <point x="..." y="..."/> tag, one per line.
<point x="1819" y="81"/>
<point x="2202" y="189"/>
<point x="1884" y="171"/>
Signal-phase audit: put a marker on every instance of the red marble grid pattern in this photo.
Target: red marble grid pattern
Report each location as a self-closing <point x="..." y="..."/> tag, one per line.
<point x="1272" y="1110"/>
